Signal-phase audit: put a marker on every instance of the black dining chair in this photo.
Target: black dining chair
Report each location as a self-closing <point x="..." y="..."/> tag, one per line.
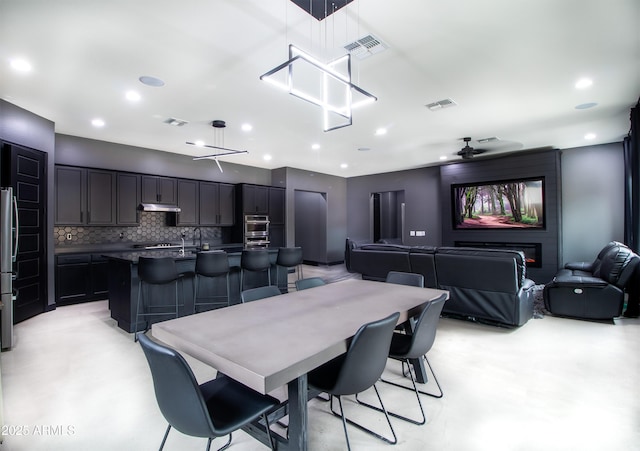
<point x="211" y="265"/>
<point x="253" y="294"/>
<point x="289" y="257"/>
<point x="309" y="282"/>
<point x="213" y="409"/>
<point x="155" y="271"/>
<point x="407" y="347"/>
<point x="254" y="260"/>
<point x="357" y="370"/>
<point x="405" y="278"/>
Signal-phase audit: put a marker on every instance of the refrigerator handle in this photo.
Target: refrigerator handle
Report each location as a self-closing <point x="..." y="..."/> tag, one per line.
<point x="17" y="226"/>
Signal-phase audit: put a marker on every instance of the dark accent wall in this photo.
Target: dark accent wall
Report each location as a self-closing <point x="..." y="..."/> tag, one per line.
<point x="19" y="126"/>
<point x="529" y="164"/>
<point x="422" y="203"/>
<point x="76" y="151"/>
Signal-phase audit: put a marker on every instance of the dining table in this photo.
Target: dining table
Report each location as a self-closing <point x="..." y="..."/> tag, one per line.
<point x="274" y="342"/>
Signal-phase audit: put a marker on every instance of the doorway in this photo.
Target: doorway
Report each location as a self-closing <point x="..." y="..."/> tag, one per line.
<point x="311" y="225"/>
<point x="387" y="216"/>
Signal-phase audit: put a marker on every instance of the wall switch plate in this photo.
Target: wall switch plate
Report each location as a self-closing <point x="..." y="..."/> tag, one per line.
<point x="412" y="233"/>
<point x="421" y="233"/>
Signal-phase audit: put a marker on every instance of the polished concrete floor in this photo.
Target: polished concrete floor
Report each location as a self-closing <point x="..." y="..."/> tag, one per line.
<point x="75" y="381"/>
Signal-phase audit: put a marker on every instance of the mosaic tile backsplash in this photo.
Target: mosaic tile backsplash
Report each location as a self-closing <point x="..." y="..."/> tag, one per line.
<point x="153" y="228"/>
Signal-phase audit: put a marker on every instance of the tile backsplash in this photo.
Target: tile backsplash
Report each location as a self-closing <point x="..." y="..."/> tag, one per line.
<point x="153" y="228"/>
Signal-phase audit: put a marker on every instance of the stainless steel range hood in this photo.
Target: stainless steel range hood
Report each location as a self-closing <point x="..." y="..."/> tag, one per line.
<point x="160" y="207"/>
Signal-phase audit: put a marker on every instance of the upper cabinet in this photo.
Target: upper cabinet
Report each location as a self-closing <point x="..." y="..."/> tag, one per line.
<point x="255" y="199"/>
<point x="276" y="205"/>
<point x="217" y="204"/>
<point x="188" y="194"/>
<point x="128" y="192"/>
<point x="84" y="196"/>
<point x="159" y="190"/>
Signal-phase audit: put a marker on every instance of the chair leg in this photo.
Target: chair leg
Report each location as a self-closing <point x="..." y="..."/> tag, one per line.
<point x="432" y="373"/>
<point x="164" y="439"/>
<point x="364" y="429"/>
<point x="397" y="415"/>
<point x="226" y="445"/>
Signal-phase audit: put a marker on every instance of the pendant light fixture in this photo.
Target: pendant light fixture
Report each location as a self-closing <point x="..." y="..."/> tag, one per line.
<point x="218" y="143"/>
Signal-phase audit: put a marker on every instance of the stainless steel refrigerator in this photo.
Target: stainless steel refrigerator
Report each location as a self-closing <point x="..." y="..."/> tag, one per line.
<point x="8" y="253"/>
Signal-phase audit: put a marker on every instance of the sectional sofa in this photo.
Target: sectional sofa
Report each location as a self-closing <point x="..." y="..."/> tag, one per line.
<point x="485" y="285"/>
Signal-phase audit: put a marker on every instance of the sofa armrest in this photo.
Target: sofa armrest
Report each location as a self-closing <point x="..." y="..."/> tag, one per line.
<point x="580" y="266"/>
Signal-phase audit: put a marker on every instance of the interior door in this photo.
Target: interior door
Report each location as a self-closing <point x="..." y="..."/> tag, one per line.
<point x="26" y="171"/>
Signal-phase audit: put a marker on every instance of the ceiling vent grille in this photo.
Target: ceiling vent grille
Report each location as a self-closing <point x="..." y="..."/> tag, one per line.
<point x="175" y="122"/>
<point x="365" y="47"/>
<point x="491" y="139"/>
<point x="446" y="103"/>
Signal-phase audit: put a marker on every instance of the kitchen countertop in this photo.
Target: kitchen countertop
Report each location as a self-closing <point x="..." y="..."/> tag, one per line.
<point x="133" y="255"/>
<point x="126" y="247"/>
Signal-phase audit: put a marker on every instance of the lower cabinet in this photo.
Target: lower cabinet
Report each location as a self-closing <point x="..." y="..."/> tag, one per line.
<point x="81" y="278"/>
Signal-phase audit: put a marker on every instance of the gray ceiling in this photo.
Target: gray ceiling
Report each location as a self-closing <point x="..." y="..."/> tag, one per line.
<point x="510" y="66"/>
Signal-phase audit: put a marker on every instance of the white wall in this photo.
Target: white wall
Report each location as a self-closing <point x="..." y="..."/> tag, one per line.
<point x="592" y="199"/>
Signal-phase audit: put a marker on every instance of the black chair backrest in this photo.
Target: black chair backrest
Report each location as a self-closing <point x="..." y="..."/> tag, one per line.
<point x="366" y="356"/>
<point x="255" y="260"/>
<point x="254" y="294"/>
<point x="289" y="256"/>
<point x="212" y="263"/>
<point x="157" y="270"/>
<point x="309" y="282"/>
<point x="405" y="278"/>
<point x="424" y="333"/>
<point x="177" y="391"/>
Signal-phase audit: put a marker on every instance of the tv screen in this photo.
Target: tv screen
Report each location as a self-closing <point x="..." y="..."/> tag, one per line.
<point x="508" y="204"/>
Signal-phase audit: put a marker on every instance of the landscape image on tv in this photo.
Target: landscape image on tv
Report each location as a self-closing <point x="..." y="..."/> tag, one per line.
<point x="505" y="204"/>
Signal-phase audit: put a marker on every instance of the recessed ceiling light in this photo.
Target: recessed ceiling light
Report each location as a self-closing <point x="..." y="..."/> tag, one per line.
<point x="199" y="143"/>
<point x="132" y="96"/>
<point x="584" y="83"/>
<point x="315" y="146"/>
<point x="381" y="131"/>
<point x="21" y="65"/>
<point x="344" y="166"/>
<point x="443" y="157"/>
<point x="590" y="136"/>
<point x="151" y="81"/>
<point x="584" y="106"/>
<point x="97" y="122"/>
<point x="267" y="157"/>
<point x="247" y="127"/>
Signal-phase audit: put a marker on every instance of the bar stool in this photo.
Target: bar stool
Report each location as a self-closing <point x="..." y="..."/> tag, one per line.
<point x="289" y="257"/>
<point x="155" y="271"/>
<point x="255" y="260"/>
<point x="212" y="265"/>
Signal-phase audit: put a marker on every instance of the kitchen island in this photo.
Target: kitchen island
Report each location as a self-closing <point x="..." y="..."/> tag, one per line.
<point x="124" y="282"/>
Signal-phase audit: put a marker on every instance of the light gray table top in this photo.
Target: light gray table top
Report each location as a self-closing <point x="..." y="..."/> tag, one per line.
<point x="267" y="343"/>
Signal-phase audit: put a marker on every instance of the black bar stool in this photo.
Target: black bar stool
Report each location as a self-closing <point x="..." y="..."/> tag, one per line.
<point x="155" y="271"/>
<point x="211" y="264"/>
<point x="255" y="260"/>
<point x="289" y="257"/>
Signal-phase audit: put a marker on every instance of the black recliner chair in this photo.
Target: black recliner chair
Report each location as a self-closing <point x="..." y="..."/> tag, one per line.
<point x="594" y="290"/>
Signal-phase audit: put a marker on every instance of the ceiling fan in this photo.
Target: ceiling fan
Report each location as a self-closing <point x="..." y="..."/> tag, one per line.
<point x="468" y="152"/>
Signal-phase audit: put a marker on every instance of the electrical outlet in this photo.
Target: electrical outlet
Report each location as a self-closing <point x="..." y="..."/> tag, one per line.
<point x="69" y="236"/>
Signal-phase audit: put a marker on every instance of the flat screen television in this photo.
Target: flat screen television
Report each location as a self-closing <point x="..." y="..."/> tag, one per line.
<point x="503" y="204"/>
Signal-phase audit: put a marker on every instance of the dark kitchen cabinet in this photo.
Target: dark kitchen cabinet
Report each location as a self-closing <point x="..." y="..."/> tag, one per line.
<point x="217" y="204"/>
<point x="84" y="196"/>
<point x="255" y="199"/>
<point x="276" y="205"/>
<point x="128" y="199"/>
<point x="159" y="190"/>
<point x="188" y="194"/>
<point x="80" y="278"/>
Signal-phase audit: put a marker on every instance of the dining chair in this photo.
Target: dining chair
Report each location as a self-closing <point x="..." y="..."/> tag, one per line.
<point x="253" y="294"/>
<point x="155" y="271"/>
<point x="357" y="370"/>
<point x="407" y="347"/>
<point x="213" y="409"/>
<point x="289" y="257"/>
<point x="210" y="265"/>
<point x="254" y="260"/>
<point x="405" y="278"/>
<point x="309" y="282"/>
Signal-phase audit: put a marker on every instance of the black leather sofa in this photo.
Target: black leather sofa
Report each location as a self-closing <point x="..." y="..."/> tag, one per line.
<point x="486" y="285"/>
<point x="594" y="290"/>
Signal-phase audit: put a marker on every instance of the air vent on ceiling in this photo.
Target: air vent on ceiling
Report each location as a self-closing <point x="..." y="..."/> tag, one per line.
<point x="365" y="47"/>
<point x="446" y="103"/>
<point x="488" y="140"/>
<point x="175" y="122"/>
